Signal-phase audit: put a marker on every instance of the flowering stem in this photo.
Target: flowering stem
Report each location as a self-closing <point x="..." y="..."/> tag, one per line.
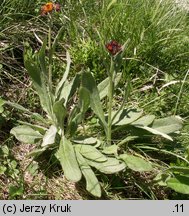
<point x="50" y="52"/>
<point x="110" y="98"/>
<point x="49" y="88"/>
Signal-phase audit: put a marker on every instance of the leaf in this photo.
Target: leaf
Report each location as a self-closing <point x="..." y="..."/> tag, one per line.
<point x="111" y="4"/>
<point x="17" y="106"/>
<point x="66" y="156"/>
<point x="2" y="102"/>
<point x="5" y="150"/>
<point x="41" y="56"/>
<point x="127" y="139"/>
<point x="144" y="121"/>
<point x="60" y="85"/>
<point x="59" y="34"/>
<point x="39" y="80"/>
<point x="32" y="66"/>
<point x="161" y="179"/>
<point x="68" y="89"/>
<point x="26" y="134"/>
<point x="75" y="117"/>
<point x="36" y="153"/>
<point x="136" y="163"/>
<point x="86" y="141"/>
<point x="60" y="112"/>
<point x="50" y="136"/>
<point x="98" y="144"/>
<point x="84" y="100"/>
<point x="1" y="109"/>
<point x="89" y="83"/>
<point x="156" y="132"/>
<point x="38" y="117"/>
<point x="183" y="170"/>
<point x="13" y="164"/>
<point x="110" y="149"/>
<point x="104" y="86"/>
<point x="92" y="184"/>
<point x="90" y="152"/>
<point x="127" y="116"/>
<point x="33" y="168"/>
<point x="78" y="113"/>
<point x="179" y="184"/>
<point x="2" y="169"/>
<point x="168" y="125"/>
<point x="111" y="166"/>
<point x="42" y="130"/>
<point x="16" y="191"/>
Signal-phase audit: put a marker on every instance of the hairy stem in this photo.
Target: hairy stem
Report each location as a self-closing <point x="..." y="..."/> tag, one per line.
<point x="110" y="98"/>
<point x="50" y="54"/>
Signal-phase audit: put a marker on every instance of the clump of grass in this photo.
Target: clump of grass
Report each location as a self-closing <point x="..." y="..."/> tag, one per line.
<point x="158" y="32"/>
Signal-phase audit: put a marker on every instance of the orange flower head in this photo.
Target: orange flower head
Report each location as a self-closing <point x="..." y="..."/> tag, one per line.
<point x="47" y="8"/>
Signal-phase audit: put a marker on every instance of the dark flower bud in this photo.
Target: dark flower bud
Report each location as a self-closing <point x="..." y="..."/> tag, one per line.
<point x="57" y="7"/>
<point x="113" y="47"/>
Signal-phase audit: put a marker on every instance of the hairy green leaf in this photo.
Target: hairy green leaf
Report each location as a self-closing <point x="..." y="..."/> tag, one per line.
<point x="144" y="121"/>
<point x="90" y="152"/>
<point x="59" y="34"/>
<point x="127" y="116"/>
<point x="110" y="149"/>
<point x="111" y="166"/>
<point x="16" y="190"/>
<point x="18" y="106"/>
<point x="89" y="83"/>
<point x="36" y="153"/>
<point x="161" y="179"/>
<point x="92" y="184"/>
<point x="60" y="112"/>
<point x="84" y="100"/>
<point x="66" y="156"/>
<point x="156" y="132"/>
<point x="179" y="169"/>
<point x="86" y="141"/>
<point x="26" y="134"/>
<point x="2" y="102"/>
<point x="42" y="130"/>
<point x="104" y="86"/>
<point x="60" y="85"/>
<point x="50" y="136"/>
<point x="39" y="80"/>
<point x="167" y="125"/>
<point x="136" y="163"/>
<point x="180" y="184"/>
<point x="78" y="113"/>
<point x="68" y="89"/>
<point x="2" y="169"/>
<point x="41" y="56"/>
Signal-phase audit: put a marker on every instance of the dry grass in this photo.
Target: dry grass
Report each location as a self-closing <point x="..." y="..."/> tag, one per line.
<point x="54" y="187"/>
